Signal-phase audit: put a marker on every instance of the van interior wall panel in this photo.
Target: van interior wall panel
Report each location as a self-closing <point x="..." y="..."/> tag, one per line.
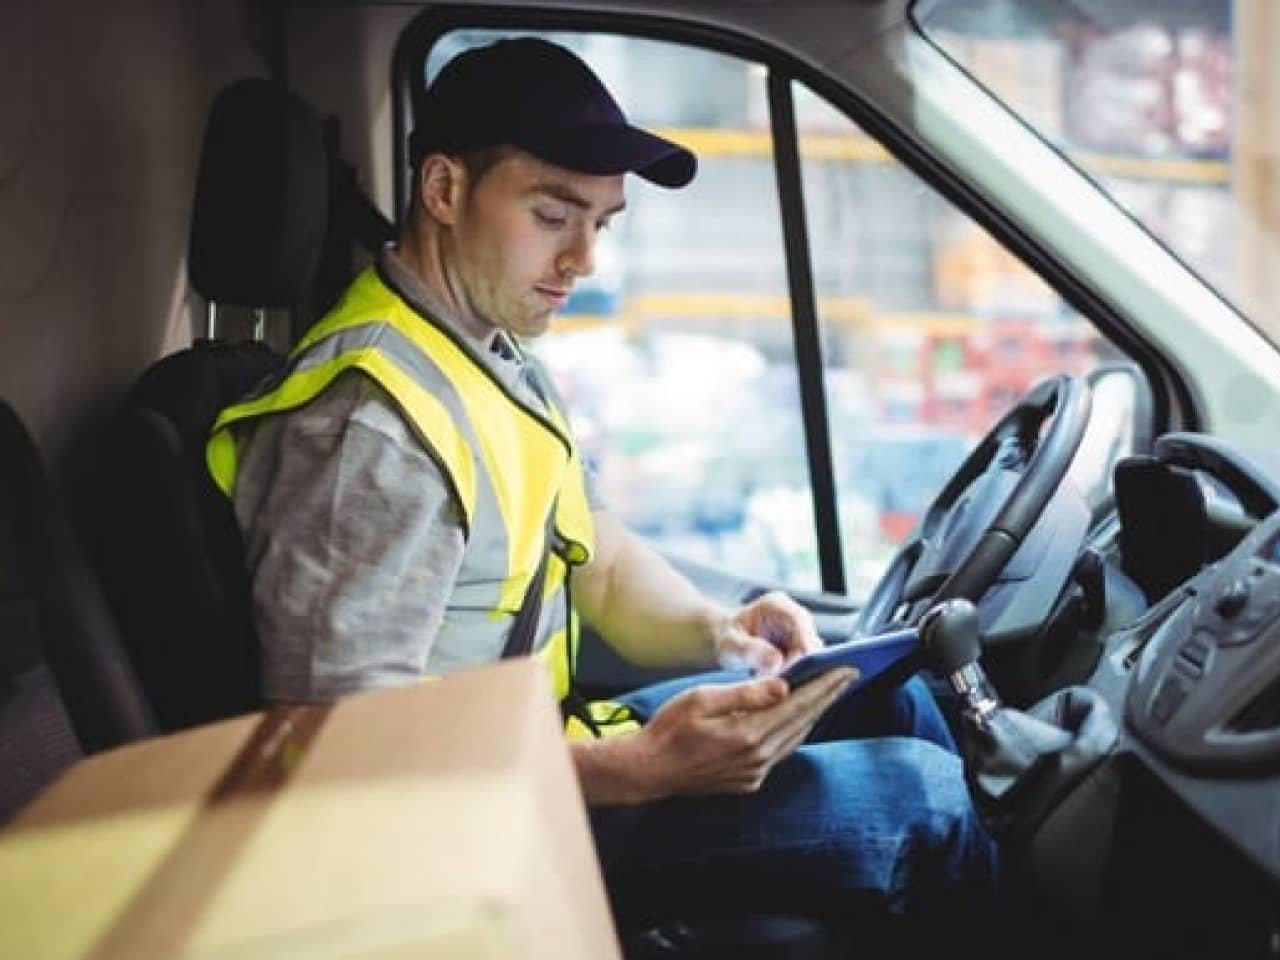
<point x="340" y="60"/>
<point x="102" y="109"/>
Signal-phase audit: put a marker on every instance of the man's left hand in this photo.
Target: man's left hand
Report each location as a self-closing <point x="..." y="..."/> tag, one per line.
<point x="766" y="634"/>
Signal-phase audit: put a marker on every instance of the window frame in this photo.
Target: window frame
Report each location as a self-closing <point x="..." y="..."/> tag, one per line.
<point x="782" y="69"/>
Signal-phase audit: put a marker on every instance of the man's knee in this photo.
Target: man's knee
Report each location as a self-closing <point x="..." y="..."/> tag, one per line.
<point x="901" y="790"/>
<point x="932" y="807"/>
<point x="946" y="845"/>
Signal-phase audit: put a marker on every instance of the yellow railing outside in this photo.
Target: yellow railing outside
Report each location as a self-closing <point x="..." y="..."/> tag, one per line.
<point x="845" y="312"/>
<point x="713" y="142"/>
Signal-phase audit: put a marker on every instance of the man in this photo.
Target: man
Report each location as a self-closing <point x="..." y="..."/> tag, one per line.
<point x="400" y="484"/>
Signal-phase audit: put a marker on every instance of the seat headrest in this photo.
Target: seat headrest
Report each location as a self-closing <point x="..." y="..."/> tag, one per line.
<point x="258" y="225"/>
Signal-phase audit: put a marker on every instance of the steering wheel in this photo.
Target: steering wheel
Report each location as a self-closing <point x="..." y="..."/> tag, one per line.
<point x="987" y="508"/>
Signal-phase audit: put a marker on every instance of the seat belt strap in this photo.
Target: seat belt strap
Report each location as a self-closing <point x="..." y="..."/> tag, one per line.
<point x="524" y="630"/>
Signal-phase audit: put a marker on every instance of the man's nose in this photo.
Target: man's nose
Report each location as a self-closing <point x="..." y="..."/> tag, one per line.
<point x="578" y="259"/>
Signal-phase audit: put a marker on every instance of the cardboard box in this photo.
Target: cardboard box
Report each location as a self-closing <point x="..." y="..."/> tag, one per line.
<point x="441" y="820"/>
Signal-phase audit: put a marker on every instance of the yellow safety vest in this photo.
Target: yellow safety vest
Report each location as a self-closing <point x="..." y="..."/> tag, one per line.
<point x="506" y="464"/>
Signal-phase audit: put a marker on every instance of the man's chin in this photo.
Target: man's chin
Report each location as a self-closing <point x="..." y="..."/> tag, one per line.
<point x="533" y="326"/>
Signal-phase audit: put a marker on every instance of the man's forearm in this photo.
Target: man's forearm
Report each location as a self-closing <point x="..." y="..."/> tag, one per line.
<point x="649" y="612"/>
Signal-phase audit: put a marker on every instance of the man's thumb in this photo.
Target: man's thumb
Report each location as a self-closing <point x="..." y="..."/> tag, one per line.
<point x="746" y="696"/>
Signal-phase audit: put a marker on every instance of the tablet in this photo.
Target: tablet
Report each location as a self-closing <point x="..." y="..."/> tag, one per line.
<point x="871" y="655"/>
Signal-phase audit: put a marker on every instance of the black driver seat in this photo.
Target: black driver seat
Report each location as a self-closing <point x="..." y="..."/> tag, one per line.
<point x="169" y="547"/>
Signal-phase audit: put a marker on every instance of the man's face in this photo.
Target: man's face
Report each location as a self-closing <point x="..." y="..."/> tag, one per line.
<point x="525" y="233"/>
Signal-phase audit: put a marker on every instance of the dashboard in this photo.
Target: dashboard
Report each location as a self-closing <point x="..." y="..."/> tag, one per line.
<point x="1172" y="846"/>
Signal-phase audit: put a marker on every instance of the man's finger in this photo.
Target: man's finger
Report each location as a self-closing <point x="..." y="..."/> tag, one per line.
<point x="749" y="696"/>
<point x="787" y="745"/>
<point x="785" y="623"/>
<point x="800" y="712"/>
<point x="741" y="649"/>
<point x="824" y="685"/>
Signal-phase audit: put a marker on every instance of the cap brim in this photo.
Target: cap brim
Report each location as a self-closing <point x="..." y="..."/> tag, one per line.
<point x="607" y="149"/>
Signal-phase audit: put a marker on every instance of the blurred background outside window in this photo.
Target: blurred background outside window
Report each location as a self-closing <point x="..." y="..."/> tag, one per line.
<point x="1168" y="104"/>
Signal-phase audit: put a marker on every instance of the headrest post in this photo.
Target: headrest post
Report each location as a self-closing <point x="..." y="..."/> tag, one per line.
<point x="211" y="320"/>
<point x="259" y="324"/>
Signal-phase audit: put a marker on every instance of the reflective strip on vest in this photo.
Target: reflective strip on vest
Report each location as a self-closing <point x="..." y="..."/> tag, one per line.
<point x="505" y="463"/>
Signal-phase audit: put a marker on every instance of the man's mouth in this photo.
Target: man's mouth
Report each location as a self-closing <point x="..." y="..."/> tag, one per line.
<point x="553" y="295"/>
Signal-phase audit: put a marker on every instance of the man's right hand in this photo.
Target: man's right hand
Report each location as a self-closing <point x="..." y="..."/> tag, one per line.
<point x="726" y="738"/>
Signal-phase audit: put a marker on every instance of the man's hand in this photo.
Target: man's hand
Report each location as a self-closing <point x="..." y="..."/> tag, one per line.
<point x="726" y="739"/>
<point x="767" y="634"/>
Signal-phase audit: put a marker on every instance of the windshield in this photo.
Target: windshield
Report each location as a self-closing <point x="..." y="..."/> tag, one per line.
<point x="1170" y="106"/>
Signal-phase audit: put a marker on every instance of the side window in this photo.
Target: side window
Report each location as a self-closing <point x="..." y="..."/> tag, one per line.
<point x="678" y="361"/>
<point x="676" y="358"/>
<point x="930" y="331"/>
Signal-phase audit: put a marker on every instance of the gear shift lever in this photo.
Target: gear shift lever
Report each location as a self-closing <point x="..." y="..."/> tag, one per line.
<point x="1018" y="765"/>
<point x="949" y="633"/>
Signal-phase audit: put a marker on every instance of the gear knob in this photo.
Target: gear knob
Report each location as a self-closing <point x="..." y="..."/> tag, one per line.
<point x="949" y="634"/>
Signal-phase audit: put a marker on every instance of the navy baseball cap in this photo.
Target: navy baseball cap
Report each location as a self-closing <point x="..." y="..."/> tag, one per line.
<point x="541" y="98"/>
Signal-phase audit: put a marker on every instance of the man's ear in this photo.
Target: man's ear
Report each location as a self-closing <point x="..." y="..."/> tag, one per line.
<point x="442" y="185"/>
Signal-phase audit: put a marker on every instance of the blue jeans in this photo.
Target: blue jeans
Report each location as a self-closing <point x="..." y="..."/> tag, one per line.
<point x="869" y="821"/>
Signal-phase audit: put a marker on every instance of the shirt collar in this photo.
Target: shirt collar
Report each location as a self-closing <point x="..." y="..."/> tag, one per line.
<point x="496" y="343"/>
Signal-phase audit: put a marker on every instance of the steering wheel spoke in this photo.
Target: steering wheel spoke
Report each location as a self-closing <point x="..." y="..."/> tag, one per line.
<point x="987" y="508"/>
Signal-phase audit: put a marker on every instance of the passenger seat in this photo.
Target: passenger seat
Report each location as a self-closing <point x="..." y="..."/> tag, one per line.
<point x="66" y="686"/>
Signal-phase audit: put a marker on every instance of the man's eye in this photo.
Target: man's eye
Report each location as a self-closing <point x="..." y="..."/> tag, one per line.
<point x="603" y="225"/>
<point x="551" y="220"/>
